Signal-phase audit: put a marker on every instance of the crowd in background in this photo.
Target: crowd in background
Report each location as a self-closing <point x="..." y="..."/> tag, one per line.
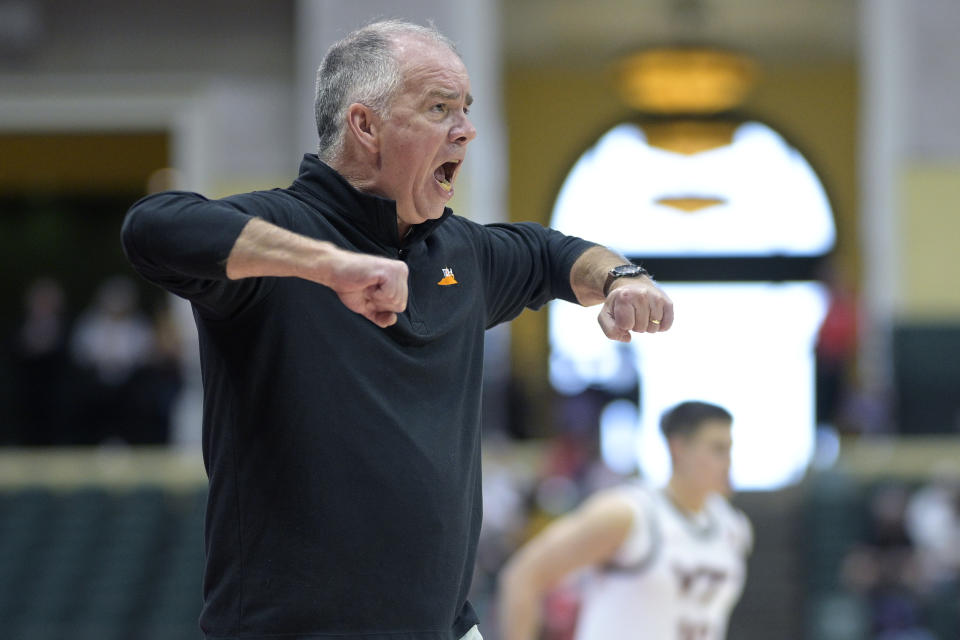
<point x="904" y="568"/>
<point x="113" y="371"/>
<point x="110" y="374"/>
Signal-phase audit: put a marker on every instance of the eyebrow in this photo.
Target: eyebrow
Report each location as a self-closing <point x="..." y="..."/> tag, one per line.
<point x="450" y="95"/>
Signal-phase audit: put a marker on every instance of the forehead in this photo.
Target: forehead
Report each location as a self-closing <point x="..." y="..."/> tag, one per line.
<point x="713" y="430"/>
<point x="429" y="66"/>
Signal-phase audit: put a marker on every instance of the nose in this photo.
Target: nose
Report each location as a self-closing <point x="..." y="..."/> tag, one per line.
<point x="463" y="131"/>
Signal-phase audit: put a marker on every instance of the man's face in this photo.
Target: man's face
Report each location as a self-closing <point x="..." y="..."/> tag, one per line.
<point x="424" y="137"/>
<point x="704" y="457"/>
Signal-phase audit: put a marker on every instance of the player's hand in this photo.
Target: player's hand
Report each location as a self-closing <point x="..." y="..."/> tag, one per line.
<point x="635" y="304"/>
<point x="372" y="286"/>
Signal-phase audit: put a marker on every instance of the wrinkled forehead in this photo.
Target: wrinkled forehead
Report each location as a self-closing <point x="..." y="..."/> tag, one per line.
<point x="421" y="58"/>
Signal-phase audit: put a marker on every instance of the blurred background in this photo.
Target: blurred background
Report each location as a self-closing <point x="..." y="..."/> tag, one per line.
<point x="790" y="172"/>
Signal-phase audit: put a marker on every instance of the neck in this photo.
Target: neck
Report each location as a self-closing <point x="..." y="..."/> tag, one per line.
<point x="687" y="498"/>
<point x="360" y="181"/>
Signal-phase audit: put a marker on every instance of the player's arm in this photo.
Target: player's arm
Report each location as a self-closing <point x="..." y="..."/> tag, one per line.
<point x="372" y="286"/>
<point x="589" y="536"/>
<point x="631" y="304"/>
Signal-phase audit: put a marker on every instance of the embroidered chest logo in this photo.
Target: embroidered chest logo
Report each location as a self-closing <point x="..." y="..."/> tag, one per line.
<point x="448" y="278"/>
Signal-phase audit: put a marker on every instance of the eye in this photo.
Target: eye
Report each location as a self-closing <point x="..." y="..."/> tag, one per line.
<point x="466" y="111"/>
<point x="439" y="108"/>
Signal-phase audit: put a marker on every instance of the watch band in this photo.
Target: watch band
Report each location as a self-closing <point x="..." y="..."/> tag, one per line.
<point x="628" y="270"/>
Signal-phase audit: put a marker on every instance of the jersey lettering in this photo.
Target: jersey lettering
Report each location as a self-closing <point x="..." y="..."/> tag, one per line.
<point x="701" y="583"/>
<point x="693" y="630"/>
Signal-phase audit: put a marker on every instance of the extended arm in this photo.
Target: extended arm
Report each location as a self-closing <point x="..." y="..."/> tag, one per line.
<point x="193" y="247"/>
<point x="589" y="536"/>
<point x="372" y="286"/>
<point x="632" y="304"/>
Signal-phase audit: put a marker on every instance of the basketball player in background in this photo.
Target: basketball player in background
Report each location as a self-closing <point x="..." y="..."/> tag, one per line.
<point x="668" y="564"/>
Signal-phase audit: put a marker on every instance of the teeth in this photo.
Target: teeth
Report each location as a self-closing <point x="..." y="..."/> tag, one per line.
<point x="445" y="185"/>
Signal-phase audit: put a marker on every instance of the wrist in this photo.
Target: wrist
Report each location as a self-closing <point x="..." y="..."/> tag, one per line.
<point x="321" y="265"/>
<point x="622" y="273"/>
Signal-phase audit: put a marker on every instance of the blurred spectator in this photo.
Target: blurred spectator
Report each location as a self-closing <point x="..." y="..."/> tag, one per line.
<point x="112" y="337"/>
<point x="154" y="386"/>
<point x="111" y="342"/>
<point x="504" y="516"/>
<point x="933" y="524"/>
<point x="836" y="349"/>
<point x="887" y="517"/>
<point x="885" y="570"/>
<point x="41" y="365"/>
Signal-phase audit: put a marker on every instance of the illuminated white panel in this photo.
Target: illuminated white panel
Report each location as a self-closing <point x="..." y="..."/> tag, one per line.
<point x="772" y="202"/>
<point x="581" y="355"/>
<point x="618" y="436"/>
<point x="745" y="346"/>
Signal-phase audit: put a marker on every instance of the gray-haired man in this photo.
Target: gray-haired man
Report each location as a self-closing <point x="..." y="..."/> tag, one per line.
<point x="343" y="451"/>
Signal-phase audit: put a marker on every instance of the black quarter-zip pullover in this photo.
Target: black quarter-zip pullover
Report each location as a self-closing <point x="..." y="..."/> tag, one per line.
<point x="343" y="459"/>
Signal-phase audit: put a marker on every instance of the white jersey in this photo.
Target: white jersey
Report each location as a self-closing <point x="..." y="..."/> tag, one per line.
<point x="676" y="577"/>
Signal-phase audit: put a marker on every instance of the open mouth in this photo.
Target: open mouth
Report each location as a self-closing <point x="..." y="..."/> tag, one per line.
<point x="444" y="174"/>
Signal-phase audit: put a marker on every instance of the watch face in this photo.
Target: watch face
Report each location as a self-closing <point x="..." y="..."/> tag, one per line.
<point x="627" y="270"/>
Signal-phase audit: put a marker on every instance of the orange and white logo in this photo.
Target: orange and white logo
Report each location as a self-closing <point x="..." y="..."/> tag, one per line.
<point x="448" y="278"/>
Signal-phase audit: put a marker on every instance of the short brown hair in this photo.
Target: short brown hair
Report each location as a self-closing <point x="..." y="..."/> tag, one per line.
<point x="687" y="417"/>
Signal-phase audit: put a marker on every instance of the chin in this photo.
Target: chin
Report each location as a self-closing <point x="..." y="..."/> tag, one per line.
<point x="416" y="215"/>
<point x="432" y="214"/>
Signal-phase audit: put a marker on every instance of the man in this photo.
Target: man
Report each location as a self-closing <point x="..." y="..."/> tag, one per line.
<point x="669" y="564"/>
<point x="343" y="451"/>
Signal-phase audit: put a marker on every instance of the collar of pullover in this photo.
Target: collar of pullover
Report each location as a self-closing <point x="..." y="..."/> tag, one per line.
<point x="373" y="215"/>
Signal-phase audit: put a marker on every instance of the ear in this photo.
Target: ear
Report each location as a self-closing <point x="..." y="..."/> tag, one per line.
<point x="364" y="126"/>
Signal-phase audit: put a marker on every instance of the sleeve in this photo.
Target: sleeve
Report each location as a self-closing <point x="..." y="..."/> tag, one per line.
<point x="526" y="265"/>
<point x="180" y="241"/>
<point x="741" y="530"/>
<point x="746" y="529"/>
<point x="734" y="523"/>
<point x="643" y="539"/>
